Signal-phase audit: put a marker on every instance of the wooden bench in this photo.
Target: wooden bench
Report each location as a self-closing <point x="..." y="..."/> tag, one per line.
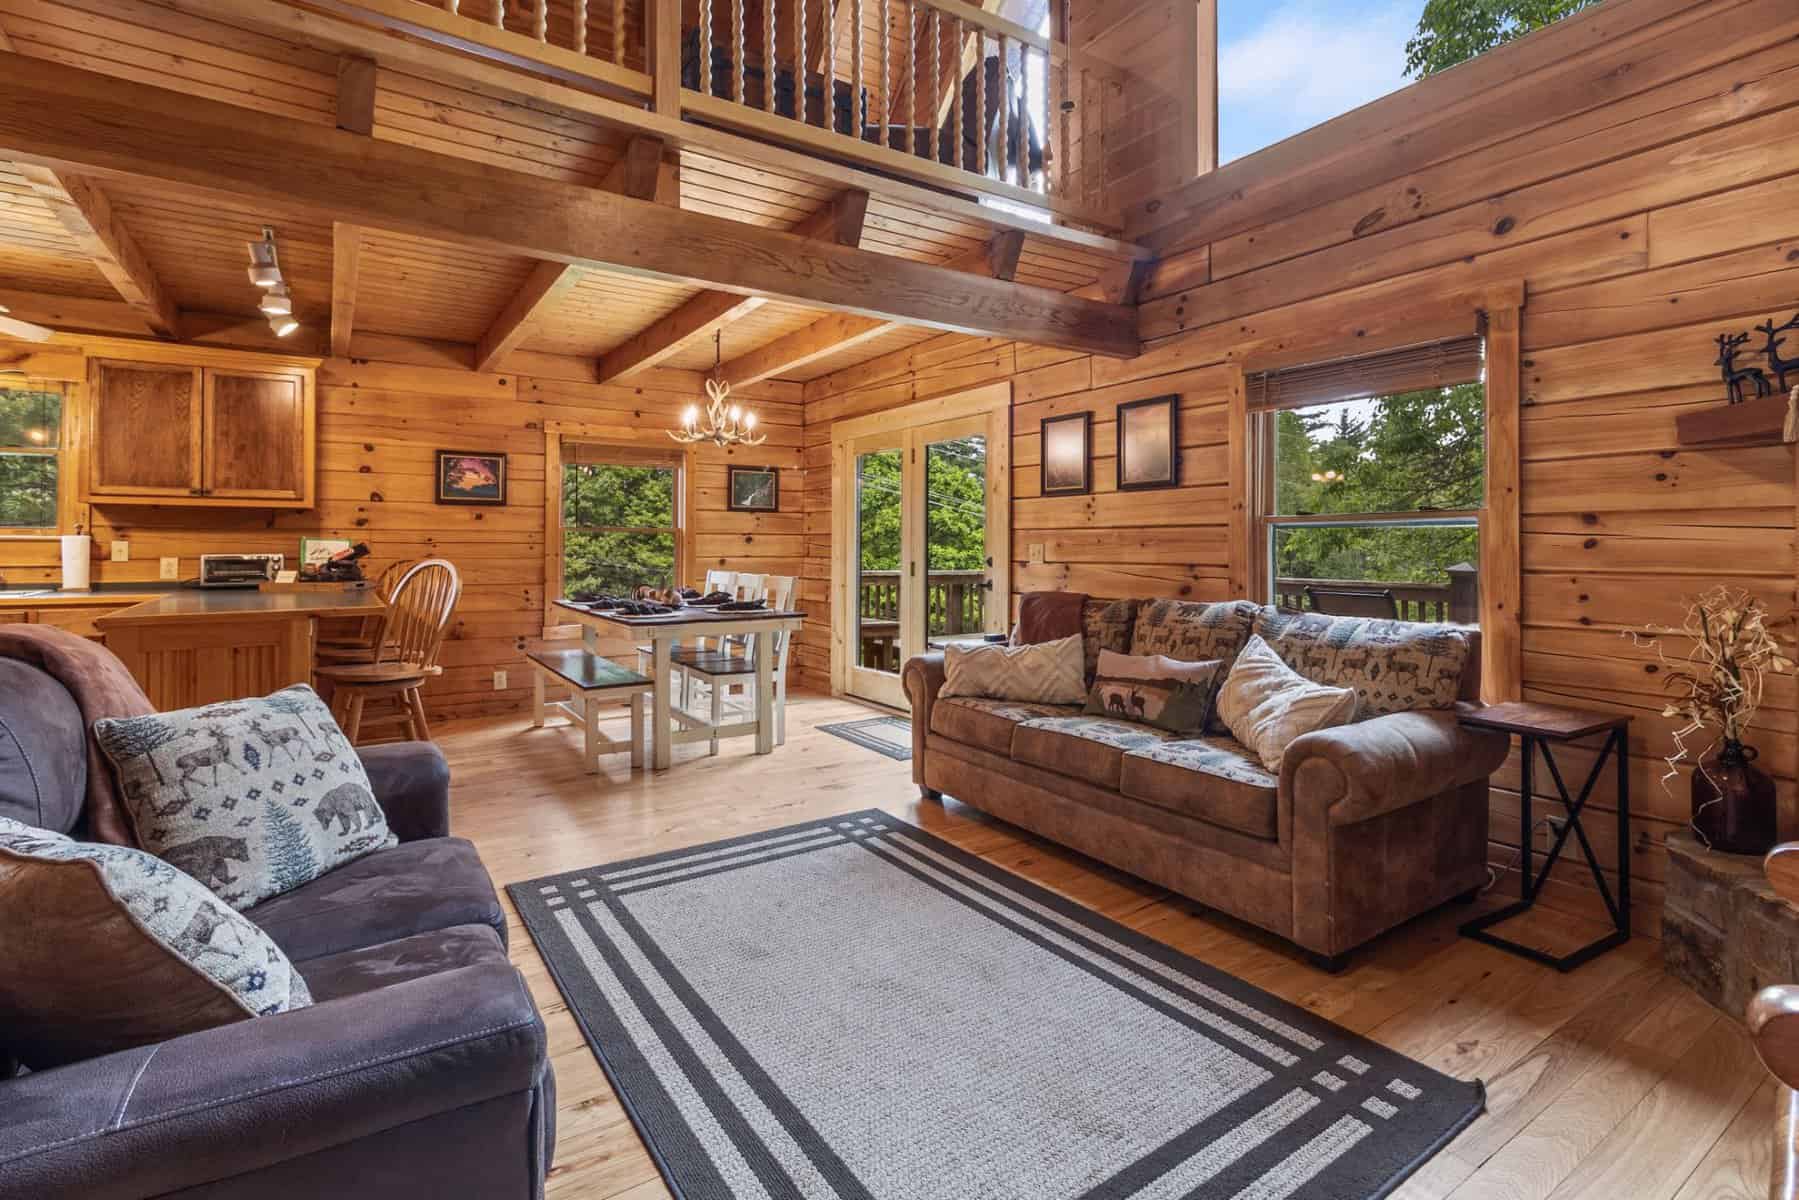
<point x="591" y="678"/>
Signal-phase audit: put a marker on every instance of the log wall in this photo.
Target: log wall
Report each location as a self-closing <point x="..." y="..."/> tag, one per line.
<point x="1638" y="172"/>
<point x="381" y="420"/>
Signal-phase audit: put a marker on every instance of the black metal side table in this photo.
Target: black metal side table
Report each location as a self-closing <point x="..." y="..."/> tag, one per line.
<point x="1537" y="726"/>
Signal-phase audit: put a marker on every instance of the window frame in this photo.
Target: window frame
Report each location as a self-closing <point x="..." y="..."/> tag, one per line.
<point x="63" y="453"/>
<point x="623" y="455"/>
<point x="1266" y="520"/>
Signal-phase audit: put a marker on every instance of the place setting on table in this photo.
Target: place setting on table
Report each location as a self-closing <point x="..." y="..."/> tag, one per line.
<point x="750" y="639"/>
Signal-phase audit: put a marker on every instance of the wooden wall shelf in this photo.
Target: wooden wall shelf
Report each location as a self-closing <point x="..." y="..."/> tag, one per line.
<point x="1764" y="419"/>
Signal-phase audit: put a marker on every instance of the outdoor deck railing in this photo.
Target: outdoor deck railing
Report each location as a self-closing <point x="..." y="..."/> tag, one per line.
<point x="1456" y="601"/>
<point x="955" y="605"/>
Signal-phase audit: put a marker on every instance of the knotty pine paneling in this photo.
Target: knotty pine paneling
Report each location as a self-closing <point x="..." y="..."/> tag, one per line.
<point x="1642" y="226"/>
<point x="380" y="425"/>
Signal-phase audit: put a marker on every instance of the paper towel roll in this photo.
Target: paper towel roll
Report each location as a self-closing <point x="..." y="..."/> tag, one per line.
<point x="75" y="551"/>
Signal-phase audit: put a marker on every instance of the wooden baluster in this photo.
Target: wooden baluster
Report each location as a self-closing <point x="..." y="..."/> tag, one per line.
<point x="910" y="112"/>
<point x="1066" y="119"/>
<point x="931" y="150"/>
<point x="831" y="65"/>
<point x="543" y="21"/>
<point x="980" y="99"/>
<point x="958" y="153"/>
<point x="450" y="7"/>
<point x="1025" y="179"/>
<point x="799" y="61"/>
<point x="706" y="47"/>
<point x="886" y="137"/>
<point x="737" y="71"/>
<point x="1005" y="110"/>
<point x="771" y="61"/>
<point x="858" y="119"/>
<point x="499" y="13"/>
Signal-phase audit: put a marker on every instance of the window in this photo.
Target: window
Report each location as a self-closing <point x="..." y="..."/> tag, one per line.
<point x="31" y="443"/>
<point x="1373" y="475"/>
<point x="620" y="519"/>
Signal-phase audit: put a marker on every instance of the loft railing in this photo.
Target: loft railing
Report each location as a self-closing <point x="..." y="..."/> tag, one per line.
<point x="938" y="91"/>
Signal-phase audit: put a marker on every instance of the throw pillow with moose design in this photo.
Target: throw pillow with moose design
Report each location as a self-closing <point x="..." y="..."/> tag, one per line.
<point x="251" y="797"/>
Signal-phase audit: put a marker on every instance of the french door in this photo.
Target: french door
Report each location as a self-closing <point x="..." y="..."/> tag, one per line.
<point x="924" y="516"/>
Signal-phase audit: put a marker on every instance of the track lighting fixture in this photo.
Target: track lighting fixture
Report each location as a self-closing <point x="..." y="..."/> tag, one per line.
<point x="277" y="303"/>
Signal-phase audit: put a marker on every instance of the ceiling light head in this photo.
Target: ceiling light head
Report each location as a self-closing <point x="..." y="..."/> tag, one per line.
<point x="283" y="325"/>
<point x="265" y="262"/>
<point x="265" y="277"/>
<point x="277" y="302"/>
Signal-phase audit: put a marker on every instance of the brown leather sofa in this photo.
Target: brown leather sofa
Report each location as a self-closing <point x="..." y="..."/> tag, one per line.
<point x="1366" y="826"/>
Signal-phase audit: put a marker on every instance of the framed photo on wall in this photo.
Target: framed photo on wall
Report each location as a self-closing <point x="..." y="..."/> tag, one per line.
<point x="753" y="489"/>
<point x="1149" y="444"/>
<point x="470" y="477"/>
<point x="1066" y="468"/>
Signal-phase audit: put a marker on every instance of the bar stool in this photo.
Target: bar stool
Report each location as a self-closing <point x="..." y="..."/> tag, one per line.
<point x="418" y="618"/>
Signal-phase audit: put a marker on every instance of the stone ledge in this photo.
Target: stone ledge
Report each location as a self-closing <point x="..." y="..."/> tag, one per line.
<point x="1725" y="933"/>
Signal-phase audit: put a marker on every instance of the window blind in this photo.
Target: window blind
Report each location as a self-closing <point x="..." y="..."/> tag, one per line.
<point x="1414" y="368"/>
<point x="596" y="454"/>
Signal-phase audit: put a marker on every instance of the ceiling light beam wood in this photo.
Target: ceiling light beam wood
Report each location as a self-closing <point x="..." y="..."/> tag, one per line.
<point x="346" y="272"/>
<point x="83" y="210"/>
<point x="97" y="125"/>
<point x="840" y="331"/>
<point x="639" y="173"/>
<point x="841" y="221"/>
<point x="356" y="94"/>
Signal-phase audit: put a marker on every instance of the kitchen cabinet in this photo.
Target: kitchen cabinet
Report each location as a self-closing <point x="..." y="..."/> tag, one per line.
<point x="169" y="433"/>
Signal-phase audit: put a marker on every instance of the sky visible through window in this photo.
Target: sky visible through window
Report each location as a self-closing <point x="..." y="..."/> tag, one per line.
<point x="1288" y="65"/>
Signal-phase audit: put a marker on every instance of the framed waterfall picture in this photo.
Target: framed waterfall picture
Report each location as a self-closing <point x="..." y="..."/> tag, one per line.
<point x="1065" y="468"/>
<point x="469" y="477"/>
<point x="753" y="489"/>
<point x="1149" y="444"/>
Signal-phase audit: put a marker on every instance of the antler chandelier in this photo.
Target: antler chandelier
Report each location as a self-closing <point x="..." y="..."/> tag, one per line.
<point x="726" y="424"/>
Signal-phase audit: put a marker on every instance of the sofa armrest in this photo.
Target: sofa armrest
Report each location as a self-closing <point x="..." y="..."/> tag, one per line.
<point x="922" y="679"/>
<point x="1387" y="763"/>
<point x="412" y="786"/>
<point x="237" y="1098"/>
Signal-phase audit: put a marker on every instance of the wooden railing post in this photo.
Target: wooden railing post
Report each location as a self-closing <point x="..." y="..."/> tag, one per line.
<point x="662" y="45"/>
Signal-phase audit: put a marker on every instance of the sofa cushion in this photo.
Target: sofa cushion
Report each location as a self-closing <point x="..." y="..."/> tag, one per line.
<point x="1194" y="632"/>
<point x="1155" y="690"/>
<point x="1085" y="748"/>
<point x="1267" y="704"/>
<point x="1045" y="673"/>
<point x="1213" y="779"/>
<point x="1394" y="666"/>
<point x="987" y="723"/>
<point x="43" y="750"/>
<point x="251" y="797"/>
<point x="105" y="948"/>
<point x="364" y="969"/>
<point x="1106" y="625"/>
<point x="415" y="887"/>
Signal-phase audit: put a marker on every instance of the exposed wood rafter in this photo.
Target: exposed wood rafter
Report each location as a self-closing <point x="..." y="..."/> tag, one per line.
<point x="95" y="125"/>
<point x="840" y="221"/>
<point x="346" y="272"/>
<point x="356" y="94"/>
<point x="840" y="331"/>
<point x="640" y="174"/>
<point x="83" y="210"/>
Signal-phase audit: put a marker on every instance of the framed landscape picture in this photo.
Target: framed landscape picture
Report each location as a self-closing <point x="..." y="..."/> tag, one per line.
<point x="754" y="489"/>
<point x="1066" y="469"/>
<point x="1149" y="444"/>
<point x="470" y="477"/>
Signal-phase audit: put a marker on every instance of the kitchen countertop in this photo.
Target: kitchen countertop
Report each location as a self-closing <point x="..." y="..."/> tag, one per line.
<point x="226" y="604"/>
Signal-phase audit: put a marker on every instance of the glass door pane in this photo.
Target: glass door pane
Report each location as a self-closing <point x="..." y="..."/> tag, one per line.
<point x="957" y="563"/>
<point x="880" y="570"/>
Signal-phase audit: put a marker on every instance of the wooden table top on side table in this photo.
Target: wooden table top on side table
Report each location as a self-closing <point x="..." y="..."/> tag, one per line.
<point x="1537" y="727"/>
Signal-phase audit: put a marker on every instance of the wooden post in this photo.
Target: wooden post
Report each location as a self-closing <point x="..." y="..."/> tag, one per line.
<point x="771" y="60"/>
<point x="980" y="98"/>
<point x="910" y="112"/>
<point x="1501" y="626"/>
<point x="737" y="47"/>
<point x="1197" y="95"/>
<point x="858" y="119"/>
<point x="886" y="138"/>
<point x="958" y="152"/>
<point x="662" y="47"/>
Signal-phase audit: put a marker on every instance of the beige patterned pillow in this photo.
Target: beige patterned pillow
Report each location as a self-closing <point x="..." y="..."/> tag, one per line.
<point x="1046" y="673"/>
<point x="1266" y="704"/>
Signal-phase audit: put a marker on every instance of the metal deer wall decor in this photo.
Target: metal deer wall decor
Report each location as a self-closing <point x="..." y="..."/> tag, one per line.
<point x="1782" y="365"/>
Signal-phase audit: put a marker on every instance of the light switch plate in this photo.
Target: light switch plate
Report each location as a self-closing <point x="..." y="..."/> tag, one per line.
<point x="499" y="681"/>
<point x="170" y="567"/>
<point x="121" y="550"/>
<point x="1036" y="552"/>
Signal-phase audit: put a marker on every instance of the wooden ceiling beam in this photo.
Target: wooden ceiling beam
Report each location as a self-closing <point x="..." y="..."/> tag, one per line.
<point x="91" y="124"/>
<point x="346" y="272"/>
<point x="356" y="94"/>
<point x="838" y="332"/>
<point x="639" y="173"/>
<point x="840" y="221"/>
<point x="82" y="209"/>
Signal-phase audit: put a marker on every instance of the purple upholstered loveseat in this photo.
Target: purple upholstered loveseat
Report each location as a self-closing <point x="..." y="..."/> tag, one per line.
<point x="420" y="1070"/>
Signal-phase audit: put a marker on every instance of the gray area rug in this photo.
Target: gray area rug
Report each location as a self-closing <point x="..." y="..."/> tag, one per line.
<point x="891" y="736"/>
<point x="854" y="1008"/>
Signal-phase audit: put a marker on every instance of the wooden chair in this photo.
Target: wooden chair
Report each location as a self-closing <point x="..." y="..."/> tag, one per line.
<point x="1773" y="1020"/>
<point x="1354" y="602"/>
<point x="731" y="670"/>
<point x="358" y="645"/>
<point x="418" y="618"/>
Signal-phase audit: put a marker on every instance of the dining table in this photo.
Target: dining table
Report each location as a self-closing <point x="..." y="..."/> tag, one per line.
<point x="665" y="631"/>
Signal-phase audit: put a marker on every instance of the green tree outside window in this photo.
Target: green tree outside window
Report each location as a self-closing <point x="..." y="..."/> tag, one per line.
<point x="30" y="445"/>
<point x="619" y="528"/>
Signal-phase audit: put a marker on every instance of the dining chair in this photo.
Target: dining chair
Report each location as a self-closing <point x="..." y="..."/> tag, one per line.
<point x="728" y="672"/>
<point x="717" y="580"/>
<point x="418" y="619"/>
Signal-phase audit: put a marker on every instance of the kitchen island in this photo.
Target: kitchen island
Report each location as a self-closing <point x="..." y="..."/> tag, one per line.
<point x="201" y="646"/>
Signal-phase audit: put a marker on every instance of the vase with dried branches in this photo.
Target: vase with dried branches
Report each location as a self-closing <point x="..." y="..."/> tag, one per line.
<point x="1717" y="688"/>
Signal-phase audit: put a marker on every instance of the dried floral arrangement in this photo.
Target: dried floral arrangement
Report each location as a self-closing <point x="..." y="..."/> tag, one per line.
<point x="1718" y="685"/>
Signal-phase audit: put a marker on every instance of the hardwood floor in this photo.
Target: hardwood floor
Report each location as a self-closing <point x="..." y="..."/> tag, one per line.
<point x="1612" y="1083"/>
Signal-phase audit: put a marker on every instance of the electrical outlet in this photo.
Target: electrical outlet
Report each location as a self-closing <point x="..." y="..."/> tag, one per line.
<point x="1037" y="552"/>
<point x="170" y="567"/>
<point x="121" y="550"/>
<point x="499" y="681"/>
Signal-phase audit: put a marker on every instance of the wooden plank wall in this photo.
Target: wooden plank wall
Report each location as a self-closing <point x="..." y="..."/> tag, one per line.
<point x="381" y="420"/>
<point x="1662" y="213"/>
